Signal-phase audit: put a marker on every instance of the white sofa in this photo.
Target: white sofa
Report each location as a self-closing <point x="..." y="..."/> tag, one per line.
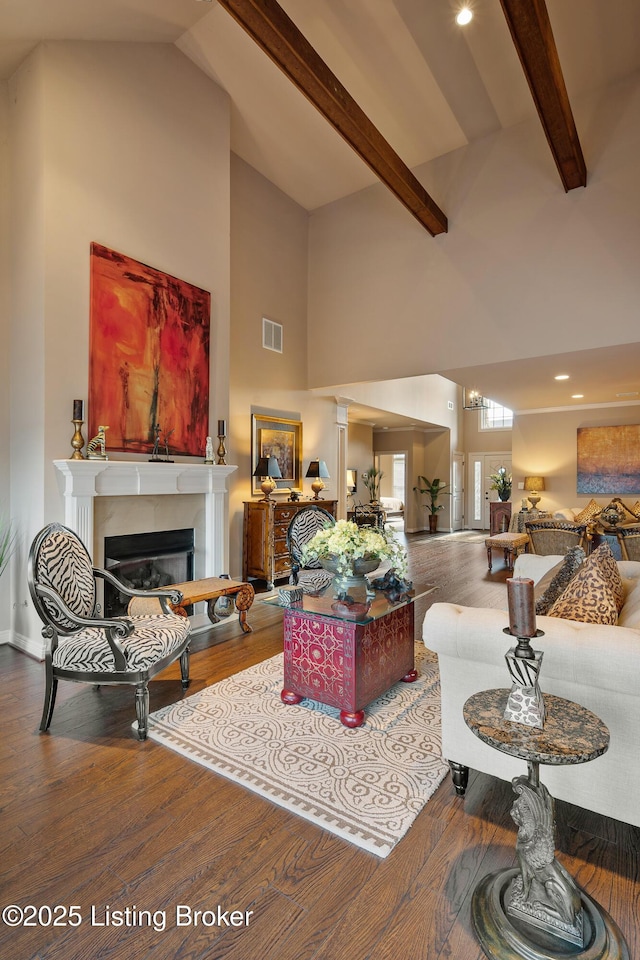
<point x="597" y="666"/>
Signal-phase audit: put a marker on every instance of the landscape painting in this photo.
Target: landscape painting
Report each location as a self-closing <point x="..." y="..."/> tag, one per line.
<point x="609" y="459"/>
<point x="148" y="356"/>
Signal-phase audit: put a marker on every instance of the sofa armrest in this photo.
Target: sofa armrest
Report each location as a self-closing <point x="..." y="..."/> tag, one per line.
<point x="586" y="654"/>
<point x="534" y="565"/>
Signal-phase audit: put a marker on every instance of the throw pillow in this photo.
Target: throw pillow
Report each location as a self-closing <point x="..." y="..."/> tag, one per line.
<point x="592" y="595"/>
<point x="635" y="509"/>
<point x="603" y="557"/>
<point x="590" y="512"/>
<point x="556" y="580"/>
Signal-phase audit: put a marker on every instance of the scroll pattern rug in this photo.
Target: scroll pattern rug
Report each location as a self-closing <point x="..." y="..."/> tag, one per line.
<point x="366" y="785"/>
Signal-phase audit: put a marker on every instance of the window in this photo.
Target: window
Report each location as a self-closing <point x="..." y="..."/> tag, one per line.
<point x="495" y="417"/>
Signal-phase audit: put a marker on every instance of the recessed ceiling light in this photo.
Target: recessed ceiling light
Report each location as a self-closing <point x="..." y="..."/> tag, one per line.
<point x="562" y="376"/>
<point x="577" y="396"/>
<point x="464" y="17"/>
<point x="631" y="393"/>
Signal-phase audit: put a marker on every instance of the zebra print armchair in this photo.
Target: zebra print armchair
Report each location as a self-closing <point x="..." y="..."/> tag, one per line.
<point x="304" y="525"/>
<point x="82" y="646"/>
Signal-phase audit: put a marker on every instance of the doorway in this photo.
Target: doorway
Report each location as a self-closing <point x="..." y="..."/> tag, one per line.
<point x="394" y="485"/>
<point x="481" y="466"/>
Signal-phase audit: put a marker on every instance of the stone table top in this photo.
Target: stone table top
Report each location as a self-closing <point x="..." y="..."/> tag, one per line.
<point x="571" y="733"/>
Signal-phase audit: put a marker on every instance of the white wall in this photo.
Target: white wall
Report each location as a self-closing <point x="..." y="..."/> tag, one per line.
<point x="269" y="279"/>
<point x="5" y="367"/>
<point x="524" y="270"/>
<point x="128" y="145"/>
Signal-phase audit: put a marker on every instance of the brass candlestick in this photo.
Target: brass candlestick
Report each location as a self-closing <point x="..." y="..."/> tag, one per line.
<point x="221" y="451"/>
<point x="77" y="441"/>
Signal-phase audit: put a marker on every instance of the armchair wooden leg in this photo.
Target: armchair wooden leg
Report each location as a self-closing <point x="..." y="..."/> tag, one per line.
<point x="142" y="708"/>
<point x="51" y="687"/>
<point x="460" y="777"/>
<point x="184" y="668"/>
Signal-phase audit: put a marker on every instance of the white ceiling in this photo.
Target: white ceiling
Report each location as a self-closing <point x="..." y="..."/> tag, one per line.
<point x="428" y="85"/>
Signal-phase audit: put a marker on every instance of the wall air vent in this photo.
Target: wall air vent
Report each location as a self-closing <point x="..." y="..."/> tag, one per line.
<point x="271" y="335"/>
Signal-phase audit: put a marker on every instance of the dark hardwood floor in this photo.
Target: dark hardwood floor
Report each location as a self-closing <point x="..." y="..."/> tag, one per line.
<point x="93" y="818"/>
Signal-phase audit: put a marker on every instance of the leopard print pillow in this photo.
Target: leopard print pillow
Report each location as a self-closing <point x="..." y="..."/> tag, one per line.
<point x="595" y="591"/>
<point x="590" y="512"/>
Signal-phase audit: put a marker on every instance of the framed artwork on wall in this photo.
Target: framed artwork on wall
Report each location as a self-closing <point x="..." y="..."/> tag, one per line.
<point x="273" y="436"/>
<point x="609" y="459"/>
<point x="148" y="356"/>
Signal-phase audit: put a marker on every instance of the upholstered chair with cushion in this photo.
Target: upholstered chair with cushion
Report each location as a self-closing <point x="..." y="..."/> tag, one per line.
<point x="81" y="645"/>
<point x="629" y="540"/>
<point x="304" y="525"/>
<point x="550" y="537"/>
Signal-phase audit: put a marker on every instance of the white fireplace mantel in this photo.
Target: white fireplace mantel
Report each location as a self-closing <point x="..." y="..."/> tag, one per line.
<point x="83" y="480"/>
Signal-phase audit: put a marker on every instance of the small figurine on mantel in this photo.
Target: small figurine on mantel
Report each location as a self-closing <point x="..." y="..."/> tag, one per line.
<point x="155" y="453"/>
<point x="208" y="453"/>
<point x="96" y="448"/>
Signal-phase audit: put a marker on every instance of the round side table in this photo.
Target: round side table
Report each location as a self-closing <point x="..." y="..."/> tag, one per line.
<point x="537" y="911"/>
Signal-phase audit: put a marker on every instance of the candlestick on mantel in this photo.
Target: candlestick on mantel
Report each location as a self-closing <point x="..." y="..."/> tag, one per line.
<point x="222" y="428"/>
<point x="78" y="410"/>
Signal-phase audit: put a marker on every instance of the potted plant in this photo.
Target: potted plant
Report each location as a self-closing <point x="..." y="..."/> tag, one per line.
<point x="7" y="542"/>
<point x="501" y="481"/>
<point x="434" y="489"/>
<point x="371" y="479"/>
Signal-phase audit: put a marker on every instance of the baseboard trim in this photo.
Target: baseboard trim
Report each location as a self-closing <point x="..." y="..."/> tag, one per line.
<point x="32" y="648"/>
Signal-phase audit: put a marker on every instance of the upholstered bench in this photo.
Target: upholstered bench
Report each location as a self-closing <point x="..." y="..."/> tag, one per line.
<point x="209" y="589"/>
<point x="510" y="543"/>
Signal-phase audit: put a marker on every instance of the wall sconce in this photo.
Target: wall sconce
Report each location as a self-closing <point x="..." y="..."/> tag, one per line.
<point x="534" y="486"/>
<point x="267" y="468"/>
<point x="472" y="400"/>
<point x="352" y="481"/>
<point x="317" y="470"/>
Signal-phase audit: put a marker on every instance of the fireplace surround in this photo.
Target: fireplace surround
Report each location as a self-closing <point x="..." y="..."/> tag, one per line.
<point x="84" y="480"/>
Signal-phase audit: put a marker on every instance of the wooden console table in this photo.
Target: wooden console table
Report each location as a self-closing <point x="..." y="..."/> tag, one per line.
<point x="265" y="555"/>
<point x="538" y="912"/>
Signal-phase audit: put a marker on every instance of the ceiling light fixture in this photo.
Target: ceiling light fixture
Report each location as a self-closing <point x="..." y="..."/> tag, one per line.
<point x="562" y="376"/>
<point x="464" y="17"/>
<point x="577" y="396"/>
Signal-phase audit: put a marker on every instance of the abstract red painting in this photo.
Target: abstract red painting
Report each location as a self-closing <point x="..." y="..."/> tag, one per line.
<point x="148" y="356"/>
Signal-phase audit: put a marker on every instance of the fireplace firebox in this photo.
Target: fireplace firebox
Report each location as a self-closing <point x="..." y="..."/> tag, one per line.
<point x="145" y="561"/>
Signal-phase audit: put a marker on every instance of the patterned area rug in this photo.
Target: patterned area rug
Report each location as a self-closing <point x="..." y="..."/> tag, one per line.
<point x="366" y="785"/>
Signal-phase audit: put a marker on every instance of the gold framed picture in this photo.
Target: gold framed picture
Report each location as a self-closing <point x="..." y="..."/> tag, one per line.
<point x="282" y="439"/>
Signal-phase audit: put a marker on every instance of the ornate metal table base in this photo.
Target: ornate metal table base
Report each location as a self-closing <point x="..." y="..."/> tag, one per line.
<point x="504" y="937"/>
<point x="537" y="911"/>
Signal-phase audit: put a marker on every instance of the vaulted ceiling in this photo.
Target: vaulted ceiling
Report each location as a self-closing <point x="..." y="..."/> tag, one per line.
<point x="425" y="85"/>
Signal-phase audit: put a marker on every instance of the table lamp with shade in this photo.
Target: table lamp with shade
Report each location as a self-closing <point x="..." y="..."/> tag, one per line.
<point x="317" y="472"/>
<point x="534" y="487"/>
<point x="268" y="470"/>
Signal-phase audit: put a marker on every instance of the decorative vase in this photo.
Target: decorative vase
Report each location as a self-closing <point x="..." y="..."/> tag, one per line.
<point x="354" y="583"/>
<point x="504" y="495"/>
<point x="433" y="522"/>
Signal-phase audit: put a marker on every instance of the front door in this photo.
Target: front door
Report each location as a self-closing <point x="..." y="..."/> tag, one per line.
<point x="481" y="466"/>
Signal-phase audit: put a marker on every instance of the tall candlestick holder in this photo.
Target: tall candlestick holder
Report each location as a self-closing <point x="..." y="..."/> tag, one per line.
<point x="77" y="440"/>
<point x="222" y="450"/>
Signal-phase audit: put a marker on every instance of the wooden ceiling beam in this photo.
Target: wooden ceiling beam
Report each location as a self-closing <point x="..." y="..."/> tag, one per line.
<point x="532" y="35"/>
<point x="273" y="30"/>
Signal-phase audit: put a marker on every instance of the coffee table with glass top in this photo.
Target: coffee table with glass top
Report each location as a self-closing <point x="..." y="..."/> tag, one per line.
<point x="346" y="657"/>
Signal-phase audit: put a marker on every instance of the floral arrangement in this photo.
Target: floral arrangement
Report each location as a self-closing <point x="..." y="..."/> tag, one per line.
<point x="345" y="541"/>
<point x="501" y="481"/>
